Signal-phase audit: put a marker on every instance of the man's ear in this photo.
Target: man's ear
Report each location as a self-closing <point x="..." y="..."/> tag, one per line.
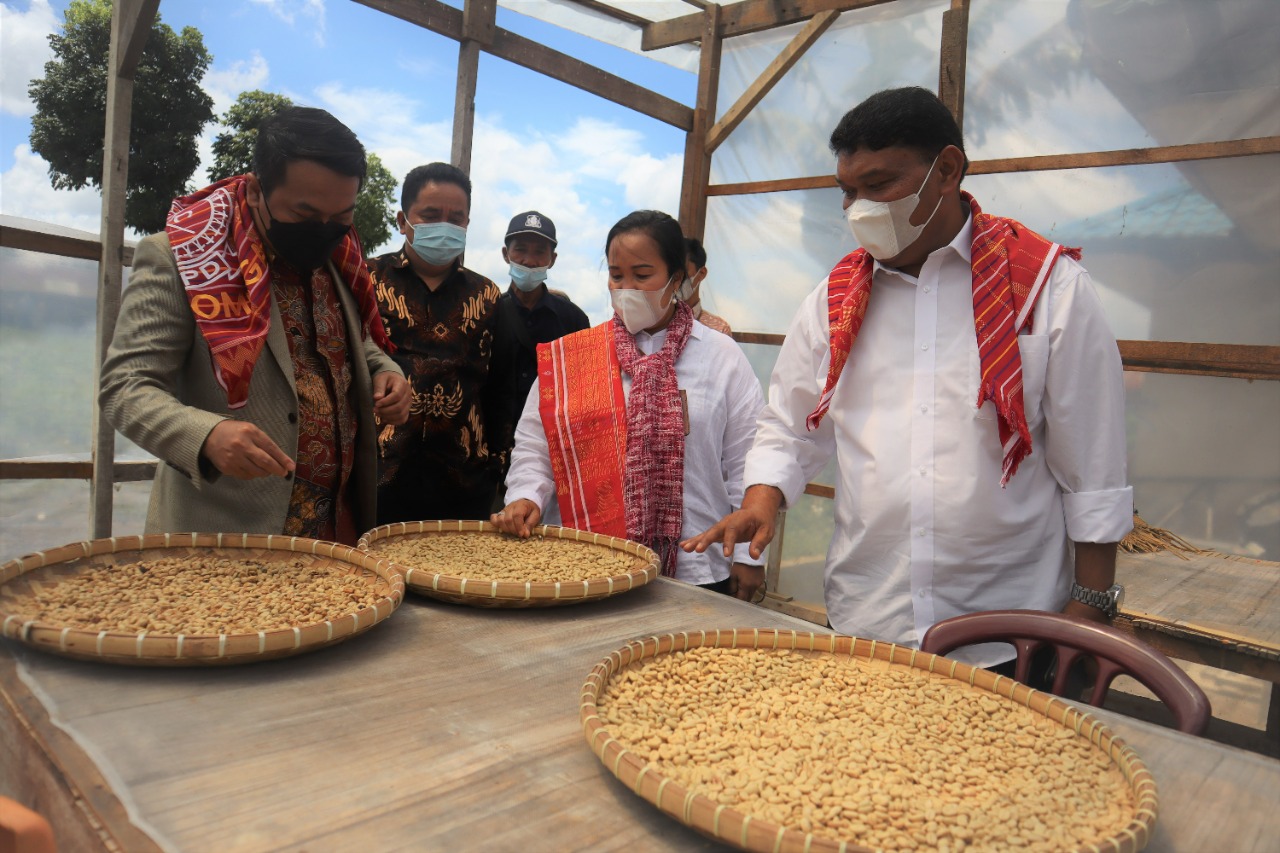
<point x="951" y="168"/>
<point x="504" y="255"/>
<point x="700" y="276"/>
<point x="252" y="190"/>
<point x="553" y="261"/>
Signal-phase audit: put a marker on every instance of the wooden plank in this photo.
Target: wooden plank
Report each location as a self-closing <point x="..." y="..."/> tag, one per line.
<point x="820" y="491"/>
<point x="1048" y="162"/>
<point x="767" y="338"/>
<point x="953" y="58"/>
<point x="464" y="103"/>
<point x="697" y="158"/>
<point x="74" y="469"/>
<point x="1231" y="360"/>
<point x="139" y="15"/>
<point x="749" y="16"/>
<point x="781" y="64"/>
<point x="62" y="245"/>
<point x="613" y="12"/>
<point x="336" y="761"/>
<point x="447" y="21"/>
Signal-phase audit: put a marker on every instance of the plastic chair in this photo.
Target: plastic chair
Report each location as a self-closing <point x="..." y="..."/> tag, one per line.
<point x="22" y="830"/>
<point x="1116" y="653"/>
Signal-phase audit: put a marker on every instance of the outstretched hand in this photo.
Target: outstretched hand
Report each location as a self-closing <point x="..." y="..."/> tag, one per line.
<point x="241" y="450"/>
<point x="752" y="523"/>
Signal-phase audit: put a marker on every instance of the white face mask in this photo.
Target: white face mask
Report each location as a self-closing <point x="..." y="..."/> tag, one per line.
<point x="884" y="228"/>
<point x="641" y="309"/>
<point x="686" y="290"/>
<point x="527" y="278"/>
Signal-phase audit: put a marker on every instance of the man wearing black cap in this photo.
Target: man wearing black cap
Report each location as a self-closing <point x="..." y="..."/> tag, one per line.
<point x="528" y="312"/>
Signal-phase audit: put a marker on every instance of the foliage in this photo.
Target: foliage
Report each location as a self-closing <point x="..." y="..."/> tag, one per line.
<point x="233" y="155"/>
<point x="169" y="110"/>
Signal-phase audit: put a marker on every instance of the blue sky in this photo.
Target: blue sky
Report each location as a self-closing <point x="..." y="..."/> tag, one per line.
<point x="539" y="143"/>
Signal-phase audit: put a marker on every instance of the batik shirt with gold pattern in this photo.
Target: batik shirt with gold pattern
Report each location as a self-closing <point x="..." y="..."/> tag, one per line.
<point x="459" y="431"/>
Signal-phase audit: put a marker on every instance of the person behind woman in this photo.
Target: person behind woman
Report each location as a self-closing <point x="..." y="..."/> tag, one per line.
<point x="638" y="427"/>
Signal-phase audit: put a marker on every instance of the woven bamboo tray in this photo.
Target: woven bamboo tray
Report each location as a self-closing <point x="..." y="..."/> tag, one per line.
<point x="19" y="576"/>
<point x="512" y="594"/>
<point x="732" y="826"/>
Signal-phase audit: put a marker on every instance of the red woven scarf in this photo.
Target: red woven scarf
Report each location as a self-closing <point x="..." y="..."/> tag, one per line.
<point x="1010" y="264"/>
<point x="654" y="481"/>
<point x="225" y="273"/>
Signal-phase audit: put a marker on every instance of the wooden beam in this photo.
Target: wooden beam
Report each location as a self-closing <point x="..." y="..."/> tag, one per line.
<point x="749" y="16"/>
<point x="139" y="15"/>
<point x="1130" y="156"/>
<point x="1228" y="360"/>
<point x="613" y="12"/>
<point x="464" y="104"/>
<point x="953" y="58"/>
<point x="1046" y="163"/>
<point x="74" y="469"/>
<point x="763" y="84"/>
<point x="130" y="22"/>
<point x="447" y="21"/>
<point x="62" y="245"/>
<point x="1237" y="361"/>
<point x="697" y="157"/>
<point x="479" y="20"/>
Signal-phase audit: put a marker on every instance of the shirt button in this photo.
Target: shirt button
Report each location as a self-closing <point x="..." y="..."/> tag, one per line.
<point x="928" y="289"/>
<point x="920" y="531"/>
<point x="924" y="472"/>
<point x="924" y="408"/>
<point x="920" y="593"/>
<point x="924" y="346"/>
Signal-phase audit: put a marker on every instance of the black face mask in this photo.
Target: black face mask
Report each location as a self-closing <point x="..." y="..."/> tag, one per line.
<point x="304" y="245"/>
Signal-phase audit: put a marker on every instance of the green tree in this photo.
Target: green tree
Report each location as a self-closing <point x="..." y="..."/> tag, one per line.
<point x="169" y="110"/>
<point x="233" y="155"/>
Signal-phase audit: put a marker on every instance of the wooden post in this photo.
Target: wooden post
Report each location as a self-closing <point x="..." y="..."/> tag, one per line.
<point x="479" y="19"/>
<point x="697" y="159"/>
<point x="954" y="58"/>
<point x="131" y="22"/>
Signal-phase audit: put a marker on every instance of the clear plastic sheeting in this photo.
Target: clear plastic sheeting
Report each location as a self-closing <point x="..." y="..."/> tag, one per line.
<point x="785" y="135"/>
<point x="604" y="28"/>
<point x="1069" y="76"/>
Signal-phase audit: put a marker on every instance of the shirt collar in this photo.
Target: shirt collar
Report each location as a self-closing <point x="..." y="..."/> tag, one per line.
<point x="649" y="344"/>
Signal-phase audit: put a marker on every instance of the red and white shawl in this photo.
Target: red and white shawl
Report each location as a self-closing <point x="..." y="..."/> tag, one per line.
<point x="225" y="273"/>
<point x="1010" y="265"/>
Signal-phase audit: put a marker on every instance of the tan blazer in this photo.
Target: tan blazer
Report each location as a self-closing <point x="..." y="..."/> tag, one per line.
<point x="159" y="390"/>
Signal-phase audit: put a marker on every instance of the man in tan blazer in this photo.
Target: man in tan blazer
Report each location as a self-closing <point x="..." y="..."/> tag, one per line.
<point x="248" y="356"/>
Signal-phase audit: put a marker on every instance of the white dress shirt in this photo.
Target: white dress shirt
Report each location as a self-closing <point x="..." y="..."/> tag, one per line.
<point x="923" y="530"/>
<point x="724" y="400"/>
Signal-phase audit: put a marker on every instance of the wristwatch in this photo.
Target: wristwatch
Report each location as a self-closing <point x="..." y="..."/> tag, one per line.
<point x="1108" y="602"/>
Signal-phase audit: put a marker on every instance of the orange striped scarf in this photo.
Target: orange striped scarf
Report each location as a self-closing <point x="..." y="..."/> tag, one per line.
<point x="1010" y="265"/>
<point x="584" y="416"/>
<point x="227" y="279"/>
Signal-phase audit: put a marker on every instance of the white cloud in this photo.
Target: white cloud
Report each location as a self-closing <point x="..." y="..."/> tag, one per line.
<point x="28" y="193"/>
<point x="224" y="85"/>
<point x="24" y="44"/>
<point x="290" y="11"/>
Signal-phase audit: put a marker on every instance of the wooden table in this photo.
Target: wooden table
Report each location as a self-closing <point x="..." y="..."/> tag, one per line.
<point x="1210" y="609"/>
<point x="445" y="728"/>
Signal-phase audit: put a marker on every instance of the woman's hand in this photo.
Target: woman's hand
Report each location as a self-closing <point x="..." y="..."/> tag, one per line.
<point x="517" y="518"/>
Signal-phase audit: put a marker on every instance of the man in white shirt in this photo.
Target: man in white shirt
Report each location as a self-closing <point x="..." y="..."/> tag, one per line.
<point x="961" y="371"/>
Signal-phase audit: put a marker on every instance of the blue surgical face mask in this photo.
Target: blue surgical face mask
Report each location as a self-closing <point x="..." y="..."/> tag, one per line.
<point x="527" y="278"/>
<point x="439" y="243"/>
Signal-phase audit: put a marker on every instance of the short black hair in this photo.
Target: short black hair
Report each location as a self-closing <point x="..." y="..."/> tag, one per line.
<point x="910" y="117"/>
<point x="695" y="251"/>
<point x="432" y="173"/>
<point x="305" y="133"/>
<point x="659" y="226"/>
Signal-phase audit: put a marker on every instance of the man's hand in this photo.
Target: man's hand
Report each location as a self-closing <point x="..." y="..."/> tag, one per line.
<point x="745" y="581"/>
<point x="391" y="397"/>
<point x="754" y="523"/>
<point x="518" y="518"/>
<point x="241" y="450"/>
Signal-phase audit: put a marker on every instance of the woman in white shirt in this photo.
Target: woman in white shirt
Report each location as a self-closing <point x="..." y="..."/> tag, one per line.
<point x="639" y="427"/>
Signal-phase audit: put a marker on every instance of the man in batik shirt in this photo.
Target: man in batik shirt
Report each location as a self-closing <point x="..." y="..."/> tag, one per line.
<point x="447" y="460"/>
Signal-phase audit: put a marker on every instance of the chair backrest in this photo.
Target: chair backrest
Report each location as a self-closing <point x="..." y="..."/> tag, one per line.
<point x="1116" y="653"/>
